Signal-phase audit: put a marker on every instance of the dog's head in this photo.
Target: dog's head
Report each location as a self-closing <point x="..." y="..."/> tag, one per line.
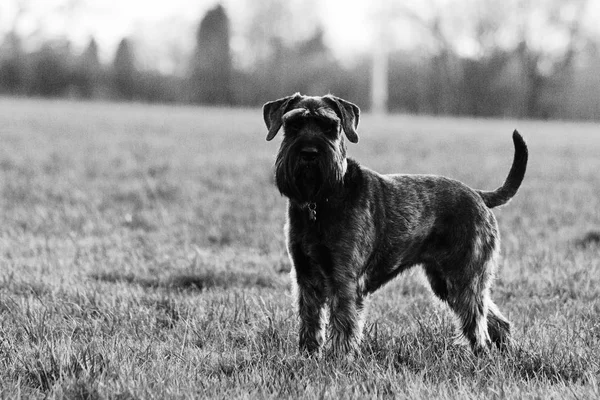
<point x="311" y="162"/>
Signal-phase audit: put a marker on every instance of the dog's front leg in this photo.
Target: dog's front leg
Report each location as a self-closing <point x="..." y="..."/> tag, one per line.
<point x="311" y="300"/>
<point x="345" y="306"/>
<point x="310" y="308"/>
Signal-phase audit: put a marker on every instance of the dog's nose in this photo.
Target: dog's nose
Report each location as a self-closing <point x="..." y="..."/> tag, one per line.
<point x="309" y="153"/>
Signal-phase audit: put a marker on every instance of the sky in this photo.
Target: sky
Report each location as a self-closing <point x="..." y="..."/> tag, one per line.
<point x="164" y="30"/>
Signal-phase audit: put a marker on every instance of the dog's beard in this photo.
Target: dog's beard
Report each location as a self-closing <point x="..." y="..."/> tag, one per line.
<point x="306" y="182"/>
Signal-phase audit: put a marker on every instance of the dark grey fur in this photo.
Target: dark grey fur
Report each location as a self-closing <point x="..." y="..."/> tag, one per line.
<point x="350" y="230"/>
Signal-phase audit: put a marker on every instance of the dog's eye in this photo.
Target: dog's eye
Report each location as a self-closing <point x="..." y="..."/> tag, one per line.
<point x="293" y="126"/>
<point x="331" y="130"/>
<point x="328" y="127"/>
<point x="292" y="129"/>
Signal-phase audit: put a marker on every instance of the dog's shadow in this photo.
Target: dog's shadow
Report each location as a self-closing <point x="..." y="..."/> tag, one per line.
<point x="433" y="354"/>
<point x="199" y="280"/>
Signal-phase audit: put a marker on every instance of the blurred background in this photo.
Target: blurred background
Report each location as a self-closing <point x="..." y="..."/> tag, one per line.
<point x="515" y="58"/>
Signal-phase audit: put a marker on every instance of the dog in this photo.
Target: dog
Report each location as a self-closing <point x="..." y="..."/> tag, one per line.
<point x="349" y="230"/>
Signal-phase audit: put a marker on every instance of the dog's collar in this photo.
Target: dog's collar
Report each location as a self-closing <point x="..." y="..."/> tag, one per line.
<point x="312" y="211"/>
<point x="311" y="208"/>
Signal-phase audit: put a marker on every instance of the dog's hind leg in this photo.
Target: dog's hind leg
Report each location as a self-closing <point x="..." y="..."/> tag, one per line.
<point x="497" y="324"/>
<point x="468" y="296"/>
<point x="498" y="327"/>
<point x="471" y="307"/>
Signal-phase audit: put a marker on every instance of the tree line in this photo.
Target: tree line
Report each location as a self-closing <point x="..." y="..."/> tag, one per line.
<point x="518" y="81"/>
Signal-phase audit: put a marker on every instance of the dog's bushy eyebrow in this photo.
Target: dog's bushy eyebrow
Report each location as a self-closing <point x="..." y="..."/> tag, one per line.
<point x="327" y="113"/>
<point x="324" y="114"/>
<point x="296" y="113"/>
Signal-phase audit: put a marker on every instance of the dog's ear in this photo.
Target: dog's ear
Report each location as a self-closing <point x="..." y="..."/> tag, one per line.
<point x="273" y="112"/>
<point x="349" y="114"/>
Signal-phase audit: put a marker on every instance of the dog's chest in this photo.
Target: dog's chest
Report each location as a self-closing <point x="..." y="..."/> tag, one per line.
<point x="320" y="242"/>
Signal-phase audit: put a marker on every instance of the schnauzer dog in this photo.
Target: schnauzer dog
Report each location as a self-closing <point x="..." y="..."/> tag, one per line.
<point x="350" y="230"/>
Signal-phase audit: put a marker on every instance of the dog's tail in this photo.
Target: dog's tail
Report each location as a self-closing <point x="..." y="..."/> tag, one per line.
<point x="505" y="192"/>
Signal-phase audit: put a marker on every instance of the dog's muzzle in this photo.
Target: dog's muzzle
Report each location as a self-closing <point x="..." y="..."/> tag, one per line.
<point x="309" y="153"/>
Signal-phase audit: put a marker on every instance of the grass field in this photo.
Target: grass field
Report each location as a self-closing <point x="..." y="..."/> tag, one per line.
<point x="141" y="256"/>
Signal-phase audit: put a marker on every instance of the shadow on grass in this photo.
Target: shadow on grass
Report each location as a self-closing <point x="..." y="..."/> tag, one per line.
<point x="433" y="354"/>
<point x="520" y="363"/>
<point x="589" y="240"/>
<point x="194" y="281"/>
<point x="118" y="277"/>
<point x="554" y="368"/>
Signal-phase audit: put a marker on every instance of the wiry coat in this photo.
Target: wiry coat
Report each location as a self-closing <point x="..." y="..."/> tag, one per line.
<point x="350" y="230"/>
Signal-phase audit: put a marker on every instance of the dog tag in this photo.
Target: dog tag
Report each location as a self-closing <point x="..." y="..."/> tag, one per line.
<point x="312" y="211"/>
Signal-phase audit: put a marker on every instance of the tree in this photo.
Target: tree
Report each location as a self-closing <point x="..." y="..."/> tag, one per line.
<point x="211" y="70"/>
<point x="440" y="79"/>
<point x="544" y="68"/>
<point x="124" y="71"/>
<point x="499" y="58"/>
<point x="51" y="70"/>
<point x="12" y="65"/>
<point x="87" y="71"/>
<point x="582" y="97"/>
